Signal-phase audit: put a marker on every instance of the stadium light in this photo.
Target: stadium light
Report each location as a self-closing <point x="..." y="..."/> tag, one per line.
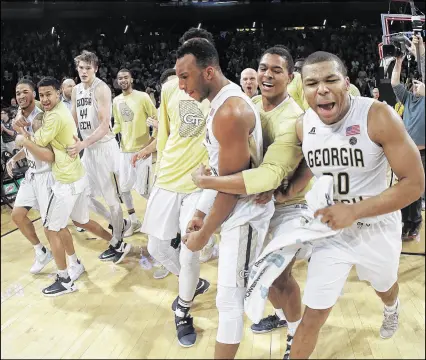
<point x="125" y="29"/>
<point x="199" y="26"/>
<point x="325" y="22"/>
<point x="254" y="24"/>
<point x="53" y="29"/>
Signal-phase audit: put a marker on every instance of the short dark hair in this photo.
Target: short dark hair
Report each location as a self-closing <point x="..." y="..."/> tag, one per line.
<point x="204" y="52"/>
<point x="193" y="33"/>
<point x="284" y="52"/>
<point x="49" y="81"/>
<point x="166" y="74"/>
<point x="125" y="70"/>
<point x="26" y="81"/>
<point x="323" y="56"/>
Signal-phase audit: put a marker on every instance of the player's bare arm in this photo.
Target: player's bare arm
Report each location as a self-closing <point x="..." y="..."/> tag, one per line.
<point x="386" y="130"/>
<point x="42" y="153"/>
<point x="13" y="160"/>
<point x="103" y="98"/>
<point x="232" y="125"/>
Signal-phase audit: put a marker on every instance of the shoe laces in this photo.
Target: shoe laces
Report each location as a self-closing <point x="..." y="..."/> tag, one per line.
<point x="271" y="319"/>
<point x="390" y="322"/>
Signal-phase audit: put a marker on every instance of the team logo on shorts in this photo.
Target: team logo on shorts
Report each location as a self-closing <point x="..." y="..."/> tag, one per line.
<point x="192" y="119"/>
<point x="353" y="140"/>
<point x="244" y="274"/>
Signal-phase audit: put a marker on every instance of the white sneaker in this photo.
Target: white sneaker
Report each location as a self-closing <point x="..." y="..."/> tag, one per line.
<point x="41" y="261"/>
<point x="134" y="227"/>
<point x="75" y="271"/>
<point x="390" y="323"/>
<point x="79" y="229"/>
<point x="206" y="253"/>
<point x="145" y="263"/>
<point x="161" y="273"/>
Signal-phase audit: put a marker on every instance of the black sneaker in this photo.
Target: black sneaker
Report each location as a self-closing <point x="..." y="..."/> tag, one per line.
<point x="59" y="287"/>
<point x="121" y="250"/>
<point x="202" y="287"/>
<point x="288" y="348"/>
<point x="414" y="234"/>
<point x="185" y="331"/>
<point x="108" y="254"/>
<point x="268" y="324"/>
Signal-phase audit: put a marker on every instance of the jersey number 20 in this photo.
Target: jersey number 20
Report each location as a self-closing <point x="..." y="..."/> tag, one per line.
<point x="342" y="183"/>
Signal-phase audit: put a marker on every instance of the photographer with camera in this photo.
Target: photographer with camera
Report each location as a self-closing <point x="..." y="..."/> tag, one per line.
<point x="414" y="121"/>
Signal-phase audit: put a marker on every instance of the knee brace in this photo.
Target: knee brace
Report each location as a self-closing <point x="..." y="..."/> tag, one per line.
<point x="230" y="304"/>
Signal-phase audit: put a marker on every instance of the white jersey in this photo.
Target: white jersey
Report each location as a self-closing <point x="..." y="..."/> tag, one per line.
<point x="255" y="139"/>
<point x="36" y="166"/>
<point x="87" y="111"/>
<point x="31" y="117"/>
<point x="345" y="151"/>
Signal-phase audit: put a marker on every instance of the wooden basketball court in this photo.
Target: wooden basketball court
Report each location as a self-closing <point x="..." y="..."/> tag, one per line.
<point x="121" y="312"/>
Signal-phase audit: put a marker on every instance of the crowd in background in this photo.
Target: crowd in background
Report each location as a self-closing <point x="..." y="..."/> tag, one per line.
<point x="148" y="54"/>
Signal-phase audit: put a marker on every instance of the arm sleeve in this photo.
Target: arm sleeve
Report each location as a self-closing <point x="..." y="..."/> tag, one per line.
<point x="401" y="93"/>
<point x="51" y="127"/>
<point x="117" y="119"/>
<point x="281" y="159"/>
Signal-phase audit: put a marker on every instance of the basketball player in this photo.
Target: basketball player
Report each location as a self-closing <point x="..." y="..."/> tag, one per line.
<point x="283" y="153"/>
<point x="69" y="192"/>
<point x="233" y="127"/>
<point x="35" y="189"/>
<point x="354" y="139"/>
<point x="131" y="110"/>
<point x="174" y="196"/>
<point x="248" y="81"/>
<point x="91" y="109"/>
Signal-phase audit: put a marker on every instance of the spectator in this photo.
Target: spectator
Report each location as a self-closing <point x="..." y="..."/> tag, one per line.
<point x="8" y="135"/>
<point x="414" y="121"/>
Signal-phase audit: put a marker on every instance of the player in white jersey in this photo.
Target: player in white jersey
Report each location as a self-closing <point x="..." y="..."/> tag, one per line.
<point x="91" y="109"/>
<point x="34" y="190"/>
<point x="351" y="139"/>
<point x="234" y="143"/>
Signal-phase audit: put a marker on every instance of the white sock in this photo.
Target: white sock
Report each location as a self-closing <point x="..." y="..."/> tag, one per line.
<point x="133" y="217"/>
<point x="280" y="314"/>
<point x="392" y="308"/>
<point x="39" y="249"/>
<point x="63" y="274"/>
<point x="73" y="259"/>
<point x="292" y="327"/>
<point x="113" y="242"/>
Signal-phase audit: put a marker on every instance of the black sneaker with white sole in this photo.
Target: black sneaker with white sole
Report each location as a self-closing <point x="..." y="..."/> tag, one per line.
<point x="121" y="250"/>
<point x="61" y="286"/>
<point x="108" y="254"/>
<point x="268" y="324"/>
<point x="185" y="331"/>
<point x="202" y="287"/>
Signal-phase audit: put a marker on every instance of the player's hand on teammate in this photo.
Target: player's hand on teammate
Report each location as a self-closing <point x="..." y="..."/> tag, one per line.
<point x="417" y="40"/>
<point x="142" y="154"/>
<point x="19" y="122"/>
<point x="337" y="216"/>
<point x="152" y="122"/>
<point x="74" y="150"/>
<point x="195" y="241"/>
<point x="11" y="164"/>
<point x="195" y="224"/>
<point x="198" y="175"/>
<point x="264" y="198"/>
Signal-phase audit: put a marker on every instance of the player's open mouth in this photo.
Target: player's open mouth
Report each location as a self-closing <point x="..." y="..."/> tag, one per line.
<point x="327" y="107"/>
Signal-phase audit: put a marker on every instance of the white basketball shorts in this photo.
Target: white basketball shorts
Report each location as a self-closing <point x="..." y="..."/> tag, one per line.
<point x="101" y="162"/>
<point x="134" y="177"/>
<point x="68" y="201"/>
<point x="374" y="249"/>
<point x="168" y="213"/>
<point x="34" y="192"/>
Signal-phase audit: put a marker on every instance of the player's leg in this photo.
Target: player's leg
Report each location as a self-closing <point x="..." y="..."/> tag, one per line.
<point x="25" y="200"/>
<point x="328" y="270"/>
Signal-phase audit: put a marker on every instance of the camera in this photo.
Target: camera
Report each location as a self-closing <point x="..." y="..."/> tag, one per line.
<point x="397" y="47"/>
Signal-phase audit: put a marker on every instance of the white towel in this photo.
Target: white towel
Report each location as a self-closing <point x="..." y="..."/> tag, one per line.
<point x="278" y="253"/>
